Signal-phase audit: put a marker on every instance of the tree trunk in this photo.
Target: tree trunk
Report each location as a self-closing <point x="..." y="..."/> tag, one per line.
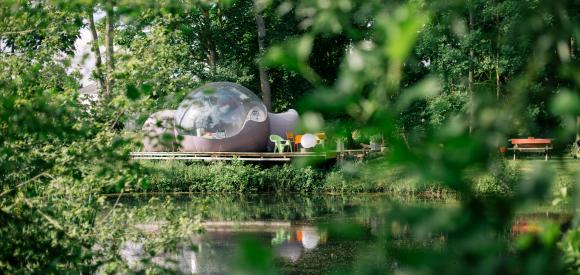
<point x="210" y="51"/>
<point x="96" y="50"/>
<point x="264" y="82"/>
<point x="210" y="55"/>
<point x="572" y="56"/>
<point x="470" y="76"/>
<point x="577" y="128"/>
<point x="110" y="27"/>
<point x="497" y="78"/>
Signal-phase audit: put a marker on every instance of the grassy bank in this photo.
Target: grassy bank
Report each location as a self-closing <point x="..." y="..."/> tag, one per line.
<point x="230" y="177"/>
<point x="373" y="177"/>
<point x="247" y="178"/>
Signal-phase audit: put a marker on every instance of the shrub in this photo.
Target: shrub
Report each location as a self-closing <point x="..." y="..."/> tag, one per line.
<point x="230" y="177"/>
<point x="241" y="177"/>
<point x="383" y="179"/>
<point x="500" y="181"/>
<point x="570" y="246"/>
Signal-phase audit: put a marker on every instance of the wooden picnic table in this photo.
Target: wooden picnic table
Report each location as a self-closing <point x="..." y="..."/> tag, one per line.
<point x="532" y="145"/>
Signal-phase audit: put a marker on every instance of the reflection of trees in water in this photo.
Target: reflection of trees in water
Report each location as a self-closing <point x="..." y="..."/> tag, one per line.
<point x="274" y="207"/>
<point x="214" y="250"/>
<point x="301" y="231"/>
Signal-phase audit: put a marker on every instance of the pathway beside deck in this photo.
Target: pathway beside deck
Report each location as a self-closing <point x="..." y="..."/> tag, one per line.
<point x="248" y="156"/>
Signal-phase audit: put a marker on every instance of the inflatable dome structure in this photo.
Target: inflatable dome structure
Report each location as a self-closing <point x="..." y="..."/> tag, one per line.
<point x="219" y="110"/>
<point x="218" y="117"/>
<point x="159" y="132"/>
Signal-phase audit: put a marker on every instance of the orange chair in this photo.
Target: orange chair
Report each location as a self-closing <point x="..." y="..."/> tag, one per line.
<point x="297" y="139"/>
<point x="321" y="137"/>
<point x="290" y="136"/>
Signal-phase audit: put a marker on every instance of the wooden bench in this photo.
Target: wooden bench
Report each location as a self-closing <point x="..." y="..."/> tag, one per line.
<point x="531" y="145"/>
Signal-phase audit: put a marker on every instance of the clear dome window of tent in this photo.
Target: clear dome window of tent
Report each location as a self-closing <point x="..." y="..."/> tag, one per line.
<point x="218" y="110"/>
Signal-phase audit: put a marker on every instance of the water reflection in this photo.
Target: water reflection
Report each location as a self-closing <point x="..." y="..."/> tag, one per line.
<point x="214" y="253"/>
<point x="314" y="233"/>
<point x="184" y="261"/>
<point x="298" y="241"/>
<point x="532" y="223"/>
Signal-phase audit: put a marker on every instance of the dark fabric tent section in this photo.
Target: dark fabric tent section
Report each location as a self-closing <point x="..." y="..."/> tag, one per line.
<point x="282" y="123"/>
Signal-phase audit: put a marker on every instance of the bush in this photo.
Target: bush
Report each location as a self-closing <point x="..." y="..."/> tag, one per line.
<point x="570" y="246"/>
<point x="230" y="177"/>
<point x="241" y="177"/>
<point x="501" y="181"/>
<point x="375" y="177"/>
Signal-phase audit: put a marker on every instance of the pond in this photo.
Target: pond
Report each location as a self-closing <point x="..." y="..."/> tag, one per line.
<point x="298" y="234"/>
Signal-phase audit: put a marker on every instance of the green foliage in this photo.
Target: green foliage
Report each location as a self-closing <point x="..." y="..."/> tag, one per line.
<point x="570" y="245"/>
<point x="507" y="87"/>
<point x="378" y="177"/>
<point x="238" y="177"/>
<point x="442" y="108"/>
<point x="501" y="181"/>
<point x="159" y="227"/>
<point x="445" y="83"/>
<point x="37" y="29"/>
<point x="234" y="177"/>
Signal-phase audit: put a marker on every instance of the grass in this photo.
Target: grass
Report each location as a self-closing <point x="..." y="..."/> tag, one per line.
<point x="229" y="177"/>
<point x="372" y="177"/>
<point x="244" y="178"/>
<point x="566" y="180"/>
<point x="565" y="169"/>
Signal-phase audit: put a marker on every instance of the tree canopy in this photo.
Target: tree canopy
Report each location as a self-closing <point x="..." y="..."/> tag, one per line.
<point x="444" y="82"/>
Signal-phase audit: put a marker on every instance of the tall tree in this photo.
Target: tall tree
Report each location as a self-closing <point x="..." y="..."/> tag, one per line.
<point x="206" y="34"/>
<point x="572" y="56"/>
<point x="470" y="74"/>
<point x="95" y="48"/>
<point x="109" y="29"/>
<point x="497" y="53"/>
<point x="264" y="81"/>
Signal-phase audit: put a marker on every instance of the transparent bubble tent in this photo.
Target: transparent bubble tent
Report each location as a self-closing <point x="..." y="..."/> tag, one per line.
<point x="216" y="117"/>
<point x="218" y="110"/>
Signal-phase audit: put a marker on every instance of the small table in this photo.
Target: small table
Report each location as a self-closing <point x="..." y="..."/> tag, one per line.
<point x="308" y="141"/>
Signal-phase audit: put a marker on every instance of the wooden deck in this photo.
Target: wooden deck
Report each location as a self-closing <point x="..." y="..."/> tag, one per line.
<point x="247" y="156"/>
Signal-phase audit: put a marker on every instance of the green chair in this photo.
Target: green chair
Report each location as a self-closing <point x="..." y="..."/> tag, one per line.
<point x="280" y="143"/>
